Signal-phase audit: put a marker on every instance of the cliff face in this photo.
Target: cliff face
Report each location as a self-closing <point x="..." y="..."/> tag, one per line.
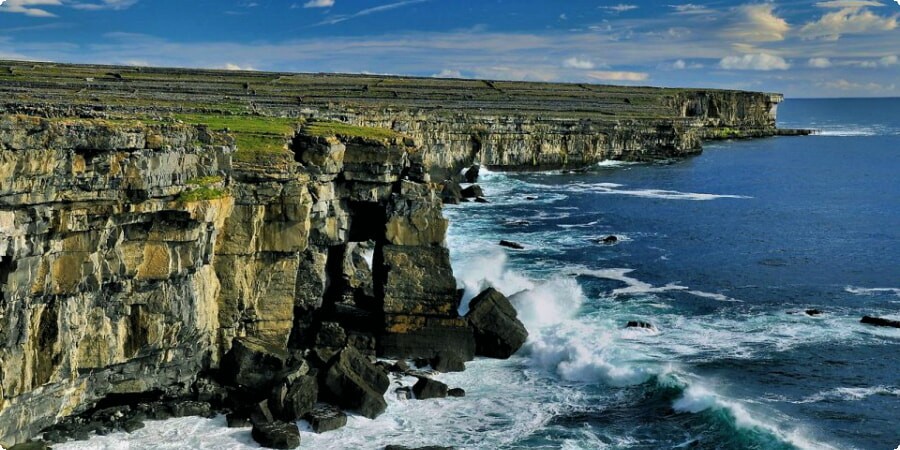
<point x="132" y="255"/>
<point x="140" y="239"/>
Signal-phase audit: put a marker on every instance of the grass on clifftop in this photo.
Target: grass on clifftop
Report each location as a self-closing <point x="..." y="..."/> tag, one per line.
<point x="201" y="193"/>
<point x="351" y="131"/>
<point x="256" y="136"/>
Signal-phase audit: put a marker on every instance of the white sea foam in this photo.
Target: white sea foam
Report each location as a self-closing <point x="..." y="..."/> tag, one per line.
<point x="617" y="189"/>
<point x="615" y="163"/>
<point x="872" y="291"/>
<point x="636" y="287"/>
<point x="580" y="225"/>
<point x="851" y="394"/>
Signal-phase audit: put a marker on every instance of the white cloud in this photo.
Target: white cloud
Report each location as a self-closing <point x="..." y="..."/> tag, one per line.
<point x="27" y="7"/>
<point x="618" y="76"/>
<point x="621" y="7"/>
<point x="231" y="66"/>
<point x="755" y="61"/>
<point x="447" y="73"/>
<point x="852" y="19"/>
<point x="367" y="11"/>
<point x="819" y="63"/>
<point x="848" y="4"/>
<point x="682" y="65"/>
<point x="319" y="4"/>
<point x="691" y="8"/>
<point x="845" y="85"/>
<point x="105" y="4"/>
<point x="758" y="23"/>
<point x="891" y="60"/>
<point x="578" y="63"/>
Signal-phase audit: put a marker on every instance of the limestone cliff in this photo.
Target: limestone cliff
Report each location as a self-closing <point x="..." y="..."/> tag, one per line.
<point x="149" y="217"/>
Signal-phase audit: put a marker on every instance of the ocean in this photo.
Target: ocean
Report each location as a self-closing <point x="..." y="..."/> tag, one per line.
<point x="723" y="253"/>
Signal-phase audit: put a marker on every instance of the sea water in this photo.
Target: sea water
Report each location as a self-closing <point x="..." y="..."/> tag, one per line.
<point x="723" y="253"/>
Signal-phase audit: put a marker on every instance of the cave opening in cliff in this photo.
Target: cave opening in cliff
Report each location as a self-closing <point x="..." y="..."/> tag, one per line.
<point x="7" y="267"/>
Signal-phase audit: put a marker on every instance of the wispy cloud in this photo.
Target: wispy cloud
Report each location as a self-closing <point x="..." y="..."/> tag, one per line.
<point x="603" y="75"/>
<point x="367" y="11"/>
<point x="33" y="8"/>
<point x="105" y="4"/>
<point x="819" y="63"/>
<point x="756" y="61"/>
<point x="621" y="7"/>
<point x="319" y="4"/>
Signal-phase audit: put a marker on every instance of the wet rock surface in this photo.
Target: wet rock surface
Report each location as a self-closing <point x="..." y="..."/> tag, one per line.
<point x="498" y="331"/>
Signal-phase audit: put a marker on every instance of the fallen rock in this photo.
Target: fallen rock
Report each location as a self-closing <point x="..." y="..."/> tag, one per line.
<point x="473" y="191"/>
<point x="132" y="425"/>
<point x="261" y="414"/>
<point x="294" y="398"/>
<point x="531" y="197"/>
<point x="498" y="331"/>
<point x="813" y="312"/>
<point x="325" y="418"/>
<point x="404" y="393"/>
<point x="253" y="363"/>
<point x="448" y="362"/>
<point x="512" y="245"/>
<point x="279" y="435"/>
<point x="355" y="383"/>
<point x="640" y="324"/>
<point x="880" y="322"/>
<point x="456" y="392"/>
<point x="427" y="388"/>
<point x="471" y="175"/>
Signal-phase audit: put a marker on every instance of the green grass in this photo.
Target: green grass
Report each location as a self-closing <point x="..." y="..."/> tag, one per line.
<point x="200" y="194"/>
<point x="256" y="137"/>
<point x="352" y="131"/>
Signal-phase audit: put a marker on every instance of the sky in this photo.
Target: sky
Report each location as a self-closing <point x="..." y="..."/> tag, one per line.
<point x="831" y="48"/>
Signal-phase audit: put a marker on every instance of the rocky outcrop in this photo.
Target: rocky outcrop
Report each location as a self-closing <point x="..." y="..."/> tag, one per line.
<point x="498" y="331"/>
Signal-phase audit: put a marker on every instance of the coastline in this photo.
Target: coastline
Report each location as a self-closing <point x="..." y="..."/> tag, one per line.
<point x="254" y="232"/>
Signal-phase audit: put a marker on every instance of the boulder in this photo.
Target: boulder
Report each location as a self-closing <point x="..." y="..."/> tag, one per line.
<point x="473" y="191"/>
<point x="813" y="312"/>
<point x="427" y="388"/>
<point x="253" y="363"/>
<point x="451" y="193"/>
<point x="456" y="392"/>
<point x="640" y="324"/>
<point x="191" y="408"/>
<point x="292" y="399"/>
<point x="132" y="425"/>
<point x="512" y="245"/>
<point x="471" y="174"/>
<point x="609" y="240"/>
<point x="448" y="362"/>
<point x="353" y="382"/>
<point x="498" y="331"/>
<point x="325" y="418"/>
<point x="279" y="435"/>
<point x="880" y="322"/>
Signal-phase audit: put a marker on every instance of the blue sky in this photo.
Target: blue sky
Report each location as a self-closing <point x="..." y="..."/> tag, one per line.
<point x="829" y="48"/>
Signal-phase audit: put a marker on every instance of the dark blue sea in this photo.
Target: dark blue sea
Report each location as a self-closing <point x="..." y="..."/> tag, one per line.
<point x="723" y="253"/>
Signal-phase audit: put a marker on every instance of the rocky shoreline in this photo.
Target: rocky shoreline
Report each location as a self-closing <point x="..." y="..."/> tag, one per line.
<point x="167" y="259"/>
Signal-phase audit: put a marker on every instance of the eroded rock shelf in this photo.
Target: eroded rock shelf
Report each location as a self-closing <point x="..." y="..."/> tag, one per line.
<point x="153" y="220"/>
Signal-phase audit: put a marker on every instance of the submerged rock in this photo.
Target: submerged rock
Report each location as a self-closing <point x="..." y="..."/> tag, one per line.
<point x="278" y="435"/>
<point x="640" y="324"/>
<point x="498" y="331"/>
<point x="813" y="312"/>
<point x="512" y="245"/>
<point x="456" y="392"/>
<point x="427" y="388"/>
<point x="608" y="240"/>
<point x="880" y="322"/>
<point x="481" y="200"/>
<point x="473" y="191"/>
